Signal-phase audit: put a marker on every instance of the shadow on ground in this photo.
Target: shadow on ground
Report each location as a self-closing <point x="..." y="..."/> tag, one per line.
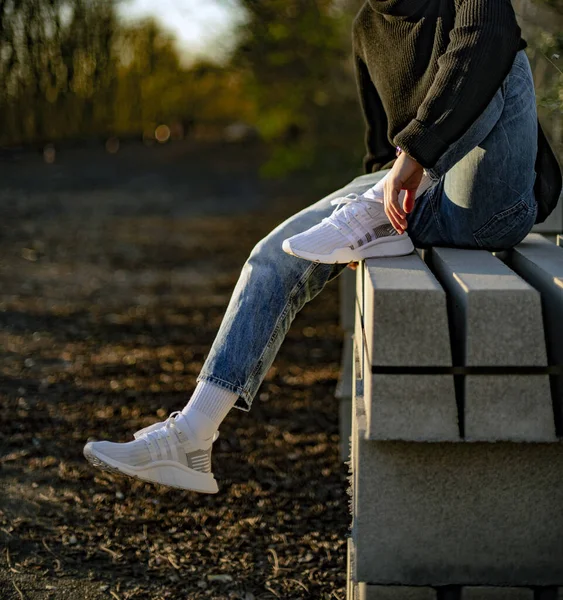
<point x="114" y="275"/>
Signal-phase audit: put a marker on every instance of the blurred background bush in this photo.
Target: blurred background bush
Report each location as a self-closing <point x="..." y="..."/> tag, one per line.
<point x="280" y="70"/>
<point x="87" y="69"/>
<point x="145" y="147"/>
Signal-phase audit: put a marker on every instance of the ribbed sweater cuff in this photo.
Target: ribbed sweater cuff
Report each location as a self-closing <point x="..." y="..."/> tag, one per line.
<point x="421" y="143"/>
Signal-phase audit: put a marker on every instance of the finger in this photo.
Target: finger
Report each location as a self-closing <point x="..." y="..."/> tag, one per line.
<point x="391" y="216"/>
<point x="353" y="266"/>
<point x="392" y="209"/>
<point x="398" y="222"/>
<point x="399" y="204"/>
<point x="395" y="222"/>
<point x="397" y="208"/>
<point x="410" y="199"/>
<point x="394" y="204"/>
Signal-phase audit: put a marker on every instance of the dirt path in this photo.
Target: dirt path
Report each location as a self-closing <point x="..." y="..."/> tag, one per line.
<point x="114" y="276"/>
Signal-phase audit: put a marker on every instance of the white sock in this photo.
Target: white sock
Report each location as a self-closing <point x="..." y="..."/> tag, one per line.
<point x="207" y="408"/>
<point x="376" y="193"/>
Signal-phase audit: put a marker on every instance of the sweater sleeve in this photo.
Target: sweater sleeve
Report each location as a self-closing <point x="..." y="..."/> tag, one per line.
<point x="380" y="153"/>
<point x="483" y="43"/>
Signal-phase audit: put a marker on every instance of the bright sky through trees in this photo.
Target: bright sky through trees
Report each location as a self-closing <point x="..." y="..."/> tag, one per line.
<point x="202" y="27"/>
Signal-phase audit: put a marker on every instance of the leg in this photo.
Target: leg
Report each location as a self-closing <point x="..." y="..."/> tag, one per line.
<point x="484" y="196"/>
<point x="272" y="289"/>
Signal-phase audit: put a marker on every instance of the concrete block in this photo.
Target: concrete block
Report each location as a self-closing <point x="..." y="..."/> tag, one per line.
<point x="347" y="299"/>
<point x="417" y="408"/>
<point x="405" y="316"/>
<point x="395" y="592"/>
<point x="540" y="263"/>
<point x="360" y="277"/>
<point x="406" y="325"/>
<point x="508" y="407"/>
<point x="497" y="314"/>
<point x="496" y="322"/>
<point x="345" y="427"/>
<point x="358" y="434"/>
<point x="350" y="570"/>
<point x="444" y="514"/>
<point x="344" y="385"/>
<point x="554" y="223"/>
<point x="357" y="387"/>
<point x="359" y="342"/>
<point x="496" y="593"/>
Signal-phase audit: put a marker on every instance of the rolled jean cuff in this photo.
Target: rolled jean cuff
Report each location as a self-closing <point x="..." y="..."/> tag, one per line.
<point x="244" y="400"/>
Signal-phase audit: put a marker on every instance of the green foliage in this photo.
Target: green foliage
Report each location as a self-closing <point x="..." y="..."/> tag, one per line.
<point x="68" y="68"/>
<point x="54" y="57"/>
<point x="296" y="57"/>
<point x="541" y="24"/>
<point x="557" y="4"/>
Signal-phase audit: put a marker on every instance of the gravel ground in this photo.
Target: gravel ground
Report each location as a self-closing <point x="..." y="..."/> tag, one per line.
<point x="115" y="272"/>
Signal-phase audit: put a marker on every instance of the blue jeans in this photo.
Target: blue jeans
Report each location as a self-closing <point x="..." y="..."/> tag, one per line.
<point x="483" y="198"/>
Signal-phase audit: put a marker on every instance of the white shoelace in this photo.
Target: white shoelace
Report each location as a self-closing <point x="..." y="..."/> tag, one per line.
<point x="157" y="436"/>
<point x="345" y="216"/>
<point x="155" y="426"/>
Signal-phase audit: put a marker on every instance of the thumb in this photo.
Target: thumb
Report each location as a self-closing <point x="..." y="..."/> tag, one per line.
<point x="410" y="199"/>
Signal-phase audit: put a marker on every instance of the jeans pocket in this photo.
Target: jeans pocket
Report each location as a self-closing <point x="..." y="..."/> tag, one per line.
<point x="506" y="228"/>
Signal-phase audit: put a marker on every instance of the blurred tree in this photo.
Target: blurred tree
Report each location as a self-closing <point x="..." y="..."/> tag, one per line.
<point x="150" y="78"/>
<point x="52" y="51"/>
<point x="68" y="68"/>
<point x="55" y="56"/>
<point x="153" y="86"/>
<point x="296" y="56"/>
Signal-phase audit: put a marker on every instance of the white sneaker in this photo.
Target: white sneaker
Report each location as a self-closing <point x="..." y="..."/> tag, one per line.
<point x="164" y="453"/>
<point x="357" y="229"/>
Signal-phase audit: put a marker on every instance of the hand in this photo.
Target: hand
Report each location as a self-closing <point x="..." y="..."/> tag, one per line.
<point x="353" y="266"/>
<point x="406" y="174"/>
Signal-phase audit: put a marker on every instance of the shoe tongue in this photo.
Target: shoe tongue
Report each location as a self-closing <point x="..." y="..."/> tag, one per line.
<point x="352" y="208"/>
<point x="183" y="425"/>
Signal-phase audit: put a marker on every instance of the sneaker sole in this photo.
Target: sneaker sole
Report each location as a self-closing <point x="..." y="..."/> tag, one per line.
<point x="163" y="472"/>
<point x="383" y="247"/>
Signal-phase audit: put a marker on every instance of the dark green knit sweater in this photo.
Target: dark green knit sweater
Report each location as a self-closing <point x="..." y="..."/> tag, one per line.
<point x="426" y="69"/>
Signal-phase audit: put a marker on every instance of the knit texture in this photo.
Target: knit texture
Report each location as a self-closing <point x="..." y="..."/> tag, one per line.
<point x="207" y="408"/>
<point x="137" y="453"/>
<point x="377" y="192"/>
<point x="430" y="67"/>
<point x="351" y="225"/>
<point x="426" y="70"/>
<point x="131" y="453"/>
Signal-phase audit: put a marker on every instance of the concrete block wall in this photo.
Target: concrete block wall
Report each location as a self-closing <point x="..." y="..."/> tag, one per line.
<point x="497" y="321"/>
<point x="538" y="261"/>
<point x="364" y="591"/>
<point x="407" y="406"/>
<point x="457" y="447"/>
<point x="344" y="386"/>
<point x="447" y="513"/>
